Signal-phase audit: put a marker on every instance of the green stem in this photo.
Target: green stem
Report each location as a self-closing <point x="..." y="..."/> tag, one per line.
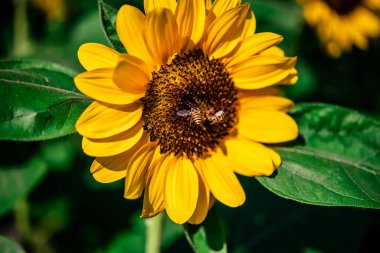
<point x="21" y="41"/>
<point x="22" y="219"/>
<point x="153" y="228"/>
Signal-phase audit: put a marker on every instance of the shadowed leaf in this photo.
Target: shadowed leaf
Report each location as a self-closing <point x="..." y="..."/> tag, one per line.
<point x="39" y="100"/>
<point x="9" y="246"/>
<point x="16" y="182"/>
<point x="208" y="236"/>
<point x="339" y="164"/>
<point x="108" y="21"/>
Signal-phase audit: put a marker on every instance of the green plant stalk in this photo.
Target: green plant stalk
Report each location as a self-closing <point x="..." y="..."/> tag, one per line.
<point x="22" y="219"/>
<point x="153" y="228"/>
<point x="21" y="41"/>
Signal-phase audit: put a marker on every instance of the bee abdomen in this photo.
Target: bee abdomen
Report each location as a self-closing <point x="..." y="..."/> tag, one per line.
<point x="197" y="118"/>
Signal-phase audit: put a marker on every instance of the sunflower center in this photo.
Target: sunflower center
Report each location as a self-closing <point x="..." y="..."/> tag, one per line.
<point x="343" y="7"/>
<point x="190" y="105"/>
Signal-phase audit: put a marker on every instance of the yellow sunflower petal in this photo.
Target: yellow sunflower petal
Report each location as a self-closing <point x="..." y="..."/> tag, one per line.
<point x="132" y="74"/>
<point x="373" y="4"/>
<point x="276" y="158"/>
<point x="113" y="145"/>
<point x="161" y="35"/>
<point x="112" y="168"/>
<point x="359" y="39"/>
<point x="368" y="22"/>
<point x="250" y="24"/>
<point x="268" y="126"/>
<point x="292" y="78"/>
<point x="102" y="121"/>
<point x="272" y="51"/>
<point x="190" y="16"/>
<point x="98" y="84"/>
<point x="262" y="71"/>
<point x="221" y="179"/>
<point x="216" y="9"/>
<point x="201" y="210"/>
<point x="221" y="6"/>
<point x="155" y="192"/>
<point x="148" y="209"/>
<point x="314" y="10"/>
<point x="268" y="91"/>
<point x="265" y="102"/>
<point x="208" y="4"/>
<point x="159" y="177"/>
<point x="333" y="49"/>
<point x="105" y="175"/>
<point x="225" y="32"/>
<point x="251" y="46"/>
<point x="129" y="26"/>
<point x="95" y="56"/>
<point x="249" y="158"/>
<point x="181" y="190"/>
<point x="137" y="171"/>
<point x="150" y="5"/>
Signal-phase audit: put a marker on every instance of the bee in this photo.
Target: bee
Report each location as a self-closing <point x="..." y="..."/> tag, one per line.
<point x="217" y="117"/>
<point x="195" y="114"/>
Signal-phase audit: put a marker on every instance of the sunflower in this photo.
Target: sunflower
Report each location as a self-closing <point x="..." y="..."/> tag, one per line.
<point x="188" y="107"/>
<point x="55" y="10"/>
<point x="340" y="24"/>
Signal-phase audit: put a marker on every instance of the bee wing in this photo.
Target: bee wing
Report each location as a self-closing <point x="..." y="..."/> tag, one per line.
<point x="183" y="113"/>
<point x="219" y="113"/>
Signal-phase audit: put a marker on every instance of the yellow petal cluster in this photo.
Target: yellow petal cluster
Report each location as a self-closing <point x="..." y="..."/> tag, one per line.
<point x="338" y="31"/>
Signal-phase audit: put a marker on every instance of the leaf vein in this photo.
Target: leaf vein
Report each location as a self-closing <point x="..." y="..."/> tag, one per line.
<point x="375" y="171"/>
<point x="67" y="92"/>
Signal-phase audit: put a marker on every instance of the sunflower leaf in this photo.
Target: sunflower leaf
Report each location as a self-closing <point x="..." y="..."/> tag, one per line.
<point x="208" y="236"/>
<point x="108" y="21"/>
<point x="9" y="246"/>
<point x="39" y="100"/>
<point x="16" y="182"/>
<point x="339" y="163"/>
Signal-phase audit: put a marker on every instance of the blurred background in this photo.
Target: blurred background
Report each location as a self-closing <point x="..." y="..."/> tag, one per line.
<point x="66" y="210"/>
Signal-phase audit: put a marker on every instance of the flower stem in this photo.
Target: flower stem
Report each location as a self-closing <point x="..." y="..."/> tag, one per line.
<point x="22" y="219"/>
<point x="153" y="228"/>
<point x="21" y="40"/>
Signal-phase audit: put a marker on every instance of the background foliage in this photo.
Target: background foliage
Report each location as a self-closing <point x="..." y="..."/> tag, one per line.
<point x="49" y="202"/>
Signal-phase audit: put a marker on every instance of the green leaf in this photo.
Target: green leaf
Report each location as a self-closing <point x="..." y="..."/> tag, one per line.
<point x="208" y="236"/>
<point x="16" y="182"/>
<point x="108" y="21"/>
<point x="339" y="163"/>
<point x="9" y="246"/>
<point x="39" y="100"/>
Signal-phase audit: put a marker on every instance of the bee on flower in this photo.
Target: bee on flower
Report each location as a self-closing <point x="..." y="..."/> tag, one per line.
<point x="216" y="117"/>
<point x="185" y="58"/>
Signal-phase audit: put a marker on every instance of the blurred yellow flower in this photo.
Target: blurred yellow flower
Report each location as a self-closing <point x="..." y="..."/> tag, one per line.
<point x="55" y="10"/>
<point x="341" y="24"/>
<point x="187" y="107"/>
